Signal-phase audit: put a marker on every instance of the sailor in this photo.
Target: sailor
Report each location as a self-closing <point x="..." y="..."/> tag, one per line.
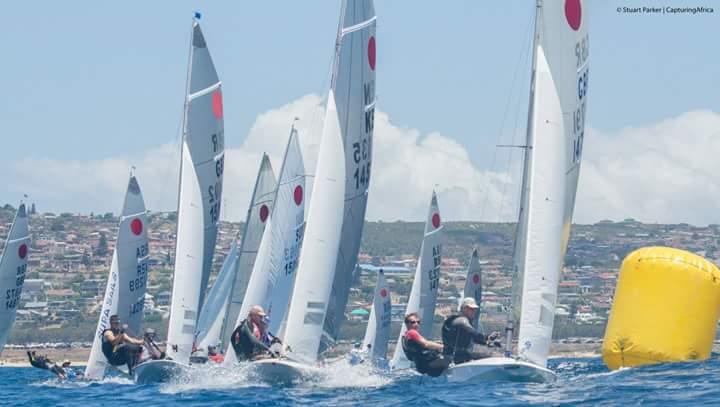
<point x="250" y="339"/>
<point x="214" y="356"/>
<point x="118" y="347"/>
<point x="459" y="336"/>
<point x="150" y="349"/>
<point x="63" y="371"/>
<point x="427" y="355"/>
<point x="69" y="372"/>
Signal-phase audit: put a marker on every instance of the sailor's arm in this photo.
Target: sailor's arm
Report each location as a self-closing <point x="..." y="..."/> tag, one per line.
<point x="129" y="339"/>
<point x="430" y="344"/>
<point x="112" y="338"/>
<point x="464" y="325"/>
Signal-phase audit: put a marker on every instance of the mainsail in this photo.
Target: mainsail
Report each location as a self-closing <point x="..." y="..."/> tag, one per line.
<point x="377" y="333"/>
<point x="13" y="267"/>
<point x="473" y="284"/>
<point x="423" y="294"/>
<point x="273" y="274"/>
<point x="353" y="86"/>
<point x="199" y="197"/>
<point x="127" y="281"/>
<point x="261" y="205"/>
<point x="556" y="125"/>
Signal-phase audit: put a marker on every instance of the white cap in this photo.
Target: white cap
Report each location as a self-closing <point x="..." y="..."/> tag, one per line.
<point x="468" y="302"/>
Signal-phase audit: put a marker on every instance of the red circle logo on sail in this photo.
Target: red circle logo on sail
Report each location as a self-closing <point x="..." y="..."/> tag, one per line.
<point x="383" y="293"/>
<point x="136" y="226"/>
<point x="217" y="105"/>
<point x="436" y="220"/>
<point x="264" y="212"/>
<point x="298" y="195"/>
<point x="371" y="53"/>
<point x="573" y="13"/>
<point x="22" y="251"/>
<point x="476" y="278"/>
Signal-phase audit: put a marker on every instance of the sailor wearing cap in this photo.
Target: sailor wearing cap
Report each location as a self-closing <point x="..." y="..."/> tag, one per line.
<point x="459" y="336"/>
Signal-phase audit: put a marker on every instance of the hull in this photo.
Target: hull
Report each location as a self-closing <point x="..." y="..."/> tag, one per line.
<point x="282" y="371"/>
<point x="159" y="371"/>
<point x="499" y="368"/>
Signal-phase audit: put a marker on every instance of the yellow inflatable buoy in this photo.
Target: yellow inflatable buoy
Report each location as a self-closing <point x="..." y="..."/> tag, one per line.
<point x="666" y="308"/>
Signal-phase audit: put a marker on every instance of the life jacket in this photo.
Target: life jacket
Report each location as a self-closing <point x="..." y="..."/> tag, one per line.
<point x="417" y="354"/>
<point x="241" y="343"/>
<point x="455" y="341"/>
<point x="108" y="349"/>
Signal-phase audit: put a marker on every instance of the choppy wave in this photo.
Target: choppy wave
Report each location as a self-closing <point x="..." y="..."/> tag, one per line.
<point x="580" y="381"/>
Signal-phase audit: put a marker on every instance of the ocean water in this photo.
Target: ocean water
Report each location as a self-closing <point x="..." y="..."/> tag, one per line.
<point x="580" y="381"/>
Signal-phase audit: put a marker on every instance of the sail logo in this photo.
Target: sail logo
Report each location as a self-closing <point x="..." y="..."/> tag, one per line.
<point x="573" y="13"/>
<point x="371" y="52"/>
<point x="217" y="104"/>
<point x="136" y="227"/>
<point x="264" y="213"/>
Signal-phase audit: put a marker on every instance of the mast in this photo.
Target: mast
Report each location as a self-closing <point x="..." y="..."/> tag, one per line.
<point x="521" y="228"/>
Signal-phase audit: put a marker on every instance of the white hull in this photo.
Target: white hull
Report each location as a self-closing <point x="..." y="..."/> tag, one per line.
<point x="158" y="371"/>
<point x="499" y="368"/>
<point x="282" y="371"/>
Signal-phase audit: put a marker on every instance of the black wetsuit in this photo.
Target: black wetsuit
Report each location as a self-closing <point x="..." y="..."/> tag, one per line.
<point x="244" y="342"/>
<point x="42" y="362"/>
<point x="427" y="361"/>
<point x="121" y="354"/>
<point x="458" y="338"/>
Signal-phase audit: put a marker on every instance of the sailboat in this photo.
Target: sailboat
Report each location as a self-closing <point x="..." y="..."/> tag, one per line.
<point x="273" y="274"/>
<point x="423" y="294"/>
<point x="336" y="212"/>
<point x="13" y="267"/>
<point x="199" y="198"/>
<point x="556" y="125"/>
<point x="473" y="284"/>
<point x="127" y="280"/>
<point x="377" y="332"/>
<point x="261" y="205"/>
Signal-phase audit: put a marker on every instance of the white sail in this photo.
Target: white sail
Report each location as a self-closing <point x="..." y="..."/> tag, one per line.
<point x="261" y="205"/>
<point x="273" y="274"/>
<point x="320" y="246"/>
<point x="423" y="294"/>
<point x="13" y="267"/>
<point x="353" y="87"/>
<point x="199" y="197"/>
<point x="127" y="281"/>
<point x="377" y="333"/>
<point x="554" y="139"/>
<point x="473" y="284"/>
<point x="212" y="314"/>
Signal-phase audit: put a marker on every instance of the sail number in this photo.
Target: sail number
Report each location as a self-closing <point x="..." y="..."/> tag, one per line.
<point x="361" y="149"/>
<point x="12" y="296"/>
<point x="386" y="314"/>
<point x="215" y="191"/>
<point x="581" y="54"/>
<point x="434" y="272"/>
<point x="140" y="279"/>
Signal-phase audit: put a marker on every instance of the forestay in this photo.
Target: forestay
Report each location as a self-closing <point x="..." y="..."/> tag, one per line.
<point x="273" y="274"/>
<point x="377" y="333"/>
<point x="554" y="139"/>
<point x="423" y="294"/>
<point x="200" y="196"/>
<point x="353" y="86"/>
<point x="13" y="267"/>
<point x="127" y="281"/>
<point x="261" y="205"/>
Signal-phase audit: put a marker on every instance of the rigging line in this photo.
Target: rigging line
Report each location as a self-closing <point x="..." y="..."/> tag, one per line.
<point x="521" y="57"/>
<point x="525" y="55"/>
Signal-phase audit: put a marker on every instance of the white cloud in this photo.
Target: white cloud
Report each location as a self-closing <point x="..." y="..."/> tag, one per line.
<point x="664" y="172"/>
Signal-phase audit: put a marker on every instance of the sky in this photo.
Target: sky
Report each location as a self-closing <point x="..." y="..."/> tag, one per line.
<point x="91" y="89"/>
